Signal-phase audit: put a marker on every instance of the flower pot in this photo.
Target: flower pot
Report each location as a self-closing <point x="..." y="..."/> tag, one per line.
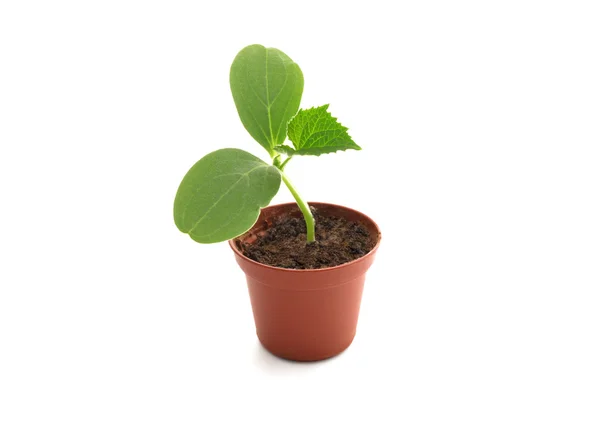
<point x="305" y="315"/>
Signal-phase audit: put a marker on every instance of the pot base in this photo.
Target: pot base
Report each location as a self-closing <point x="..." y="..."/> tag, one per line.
<point x="304" y="358"/>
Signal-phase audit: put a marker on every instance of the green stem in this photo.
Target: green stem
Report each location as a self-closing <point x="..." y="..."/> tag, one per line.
<point x="308" y="217"/>
<point x="282" y="166"/>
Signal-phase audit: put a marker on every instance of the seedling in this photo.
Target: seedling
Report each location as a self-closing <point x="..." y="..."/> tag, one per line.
<point x="220" y="197"/>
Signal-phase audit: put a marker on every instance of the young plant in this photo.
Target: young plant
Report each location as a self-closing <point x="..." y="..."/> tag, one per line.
<point x="220" y="197"/>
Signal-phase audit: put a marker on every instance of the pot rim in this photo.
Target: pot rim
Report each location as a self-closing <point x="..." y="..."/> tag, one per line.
<point x="238" y="253"/>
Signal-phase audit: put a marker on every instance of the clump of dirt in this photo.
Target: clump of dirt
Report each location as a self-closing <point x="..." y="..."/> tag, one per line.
<point x="283" y="244"/>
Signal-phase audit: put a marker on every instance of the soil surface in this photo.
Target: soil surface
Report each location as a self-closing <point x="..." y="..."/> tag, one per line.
<point x="284" y="244"/>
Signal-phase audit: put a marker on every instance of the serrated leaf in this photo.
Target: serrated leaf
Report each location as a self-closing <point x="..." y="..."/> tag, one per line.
<point x="221" y="195"/>
<point x="267" y="88"/>
<point x="285" y="149"/>
<point x="314" y="132"/>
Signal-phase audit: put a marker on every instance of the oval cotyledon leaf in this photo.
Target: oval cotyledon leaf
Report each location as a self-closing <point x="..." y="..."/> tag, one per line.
<point x="220" y="197"/>
<point x="267" y="88"/>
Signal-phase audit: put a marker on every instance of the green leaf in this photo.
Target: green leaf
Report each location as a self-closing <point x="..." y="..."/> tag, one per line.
<point x="314" y="132"/>
<point x="267" y="87"/>
<point x="285" y="149"/>
<point x="221" y="195"/>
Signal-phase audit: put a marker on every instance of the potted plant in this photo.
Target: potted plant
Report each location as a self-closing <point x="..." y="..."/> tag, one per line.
<point x="305" y="264"/>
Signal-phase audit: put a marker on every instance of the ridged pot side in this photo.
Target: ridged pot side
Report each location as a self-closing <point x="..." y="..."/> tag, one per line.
<point x="306" y="315"/>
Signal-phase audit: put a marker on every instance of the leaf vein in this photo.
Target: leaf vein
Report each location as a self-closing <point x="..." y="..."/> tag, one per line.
<point x="244" y="176"/>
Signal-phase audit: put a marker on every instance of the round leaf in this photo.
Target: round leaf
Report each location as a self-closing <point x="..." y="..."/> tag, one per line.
<point x="267" y="87"/>
<point x="221" y="195"/>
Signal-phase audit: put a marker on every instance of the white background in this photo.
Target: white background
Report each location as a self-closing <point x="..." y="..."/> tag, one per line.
<point x="480" y="128"/>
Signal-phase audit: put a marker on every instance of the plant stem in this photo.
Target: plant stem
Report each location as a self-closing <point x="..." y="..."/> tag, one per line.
<point x="308" y="217"/>
<point x="282" y="166"/>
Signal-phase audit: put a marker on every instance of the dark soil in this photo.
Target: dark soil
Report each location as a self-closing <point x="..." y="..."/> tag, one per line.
<point x="338" y="241"/>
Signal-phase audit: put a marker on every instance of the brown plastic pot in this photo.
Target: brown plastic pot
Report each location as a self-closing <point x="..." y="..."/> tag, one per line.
<point x="305" y="315"/>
